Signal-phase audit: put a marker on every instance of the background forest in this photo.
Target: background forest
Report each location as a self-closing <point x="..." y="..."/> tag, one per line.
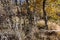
<point x="29" y="19"/>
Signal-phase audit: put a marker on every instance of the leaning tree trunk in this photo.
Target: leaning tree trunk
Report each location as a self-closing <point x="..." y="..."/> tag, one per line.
<point x="44" y="13"/>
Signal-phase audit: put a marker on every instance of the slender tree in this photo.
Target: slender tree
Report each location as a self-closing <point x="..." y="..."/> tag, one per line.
<point x="29" y="27"/>
<point x="44" y="13"/>
<point x="34" y="14"/>
<point x="29" y="13"/>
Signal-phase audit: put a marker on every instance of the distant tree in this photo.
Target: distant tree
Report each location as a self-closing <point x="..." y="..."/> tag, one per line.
<point x="44" y="13"/>
<point x="29" y="12"/>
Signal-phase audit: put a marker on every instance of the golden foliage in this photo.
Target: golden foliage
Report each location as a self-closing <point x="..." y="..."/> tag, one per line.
<point x="52" y="7"/>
